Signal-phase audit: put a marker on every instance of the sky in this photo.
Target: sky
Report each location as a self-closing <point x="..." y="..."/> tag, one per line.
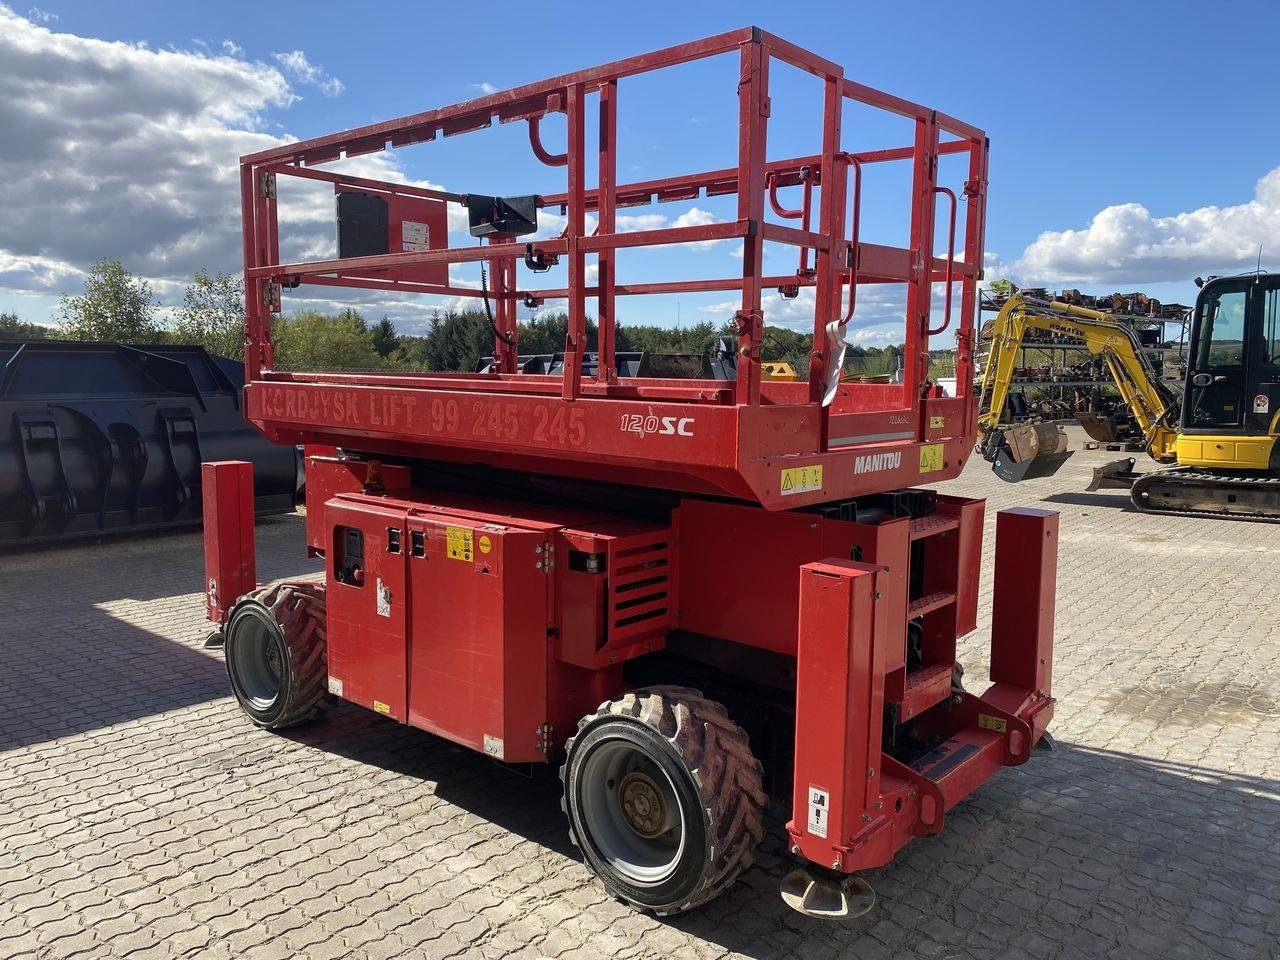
<point x="1132" y="144"/>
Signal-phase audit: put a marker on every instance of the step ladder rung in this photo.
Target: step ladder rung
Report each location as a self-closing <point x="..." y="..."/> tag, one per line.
<point x="924" y="688"/>
<point x="933" y="524"/>
<point x="929" y="603"/>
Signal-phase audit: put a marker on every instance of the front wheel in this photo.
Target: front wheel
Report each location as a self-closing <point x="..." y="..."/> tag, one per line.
<point x="276" y="654"/>
<point x="664" y="797"/>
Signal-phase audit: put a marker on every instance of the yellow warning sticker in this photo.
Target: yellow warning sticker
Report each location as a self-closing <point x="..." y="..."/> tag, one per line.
<point x="381" y="707"/>
<point x="931" y="458"/>
<point x="458" y="543"/>
<point x="801" y="480"/>
<point x="485" y="544"/>
<point x="995" y="724"/>
<point x="937" y="423"/>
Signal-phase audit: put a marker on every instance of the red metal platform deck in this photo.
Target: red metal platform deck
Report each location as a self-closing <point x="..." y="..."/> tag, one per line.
<point x="780" y="444"/>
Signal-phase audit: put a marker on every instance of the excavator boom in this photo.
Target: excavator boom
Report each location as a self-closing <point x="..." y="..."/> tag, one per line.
<point x="1223" y="463"/>
<point x="1027" y="450"/>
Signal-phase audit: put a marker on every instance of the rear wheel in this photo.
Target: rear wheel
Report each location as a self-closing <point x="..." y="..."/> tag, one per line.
<point x="664" y="797"/>
<point x="276" y="654"/>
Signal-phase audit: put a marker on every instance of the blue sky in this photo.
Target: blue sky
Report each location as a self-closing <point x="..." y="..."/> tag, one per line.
<point x="1130" y="142"/>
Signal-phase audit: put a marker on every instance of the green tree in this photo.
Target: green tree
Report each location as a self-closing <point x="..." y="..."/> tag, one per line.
<point x="11" y="328"/>
<point x="411" y="354"/>
<point x="212" y="314"/>
<point x="115" y="306"/>
<point x="310" y="340"/>
<point x="383" y="337"/>
<point x="457" y="341"/>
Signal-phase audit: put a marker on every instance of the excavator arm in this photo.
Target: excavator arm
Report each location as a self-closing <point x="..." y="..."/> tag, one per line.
<point x="1035" y="449"/>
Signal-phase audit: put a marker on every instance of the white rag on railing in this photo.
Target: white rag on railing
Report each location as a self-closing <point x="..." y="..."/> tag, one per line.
<point x="836" y="347"/>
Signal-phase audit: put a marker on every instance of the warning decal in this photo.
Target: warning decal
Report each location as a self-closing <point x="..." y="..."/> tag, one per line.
<point x="819" y="811"/>
<point x="458" y="543"/>
<point x="415" y="236"/>
<point x="996" y="724"/>
<point x="931" y="458"/>
<point x="801" y="480"/>
<point x="485" y="544"/>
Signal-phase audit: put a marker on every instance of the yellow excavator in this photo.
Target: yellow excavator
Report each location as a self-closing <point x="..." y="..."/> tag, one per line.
<point x="1219" y="439"/>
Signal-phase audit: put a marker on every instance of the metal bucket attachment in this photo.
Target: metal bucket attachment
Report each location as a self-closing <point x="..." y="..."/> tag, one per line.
<point x="1099" y="427"/>
<point x="102" y="438"/>
<point x="1027" y="451"/>
<point x="827" y="897"/>
<point x="1116" y="475"/>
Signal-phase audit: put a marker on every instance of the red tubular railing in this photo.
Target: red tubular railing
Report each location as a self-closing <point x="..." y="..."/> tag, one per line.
<point x="837" y="261"/>
<point x="855" y="217"/>
<point x="951" y="258"/>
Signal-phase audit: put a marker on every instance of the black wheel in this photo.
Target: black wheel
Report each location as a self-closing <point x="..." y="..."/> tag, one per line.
<point x="276" y="656"/>
<point x="663" y="797"/>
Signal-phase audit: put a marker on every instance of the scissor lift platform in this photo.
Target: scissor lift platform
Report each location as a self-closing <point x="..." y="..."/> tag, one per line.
<point x="757" y="584"/>
<point x="779" y="444"/>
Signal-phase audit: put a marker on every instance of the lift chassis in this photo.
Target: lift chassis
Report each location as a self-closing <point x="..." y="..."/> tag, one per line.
<point x="688" y="594"/>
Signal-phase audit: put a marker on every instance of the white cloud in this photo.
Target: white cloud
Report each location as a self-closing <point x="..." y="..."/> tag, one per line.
<point x="485" y="87"/>
<point x="298" y="67"/>
<point x="1125" y="243"/>
<point x="633" y="222"/>
<point x="36" y="15"/>
<point x="41" y="274"/>
<point x="697" y="217"/>
<point x="114" y="149"/>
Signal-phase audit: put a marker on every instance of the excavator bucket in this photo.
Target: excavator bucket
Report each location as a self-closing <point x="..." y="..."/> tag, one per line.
<point x="1099" y="427"/>
<point x="1116" y="475"/>
<point x="1027" y="451"/>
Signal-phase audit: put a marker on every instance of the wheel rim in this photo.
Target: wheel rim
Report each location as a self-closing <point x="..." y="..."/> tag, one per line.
<point x="258" y="664"/>
<point x="631" y="810"/>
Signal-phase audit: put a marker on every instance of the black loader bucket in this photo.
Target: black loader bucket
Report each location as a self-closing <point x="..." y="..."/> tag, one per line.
<point x="1027" y="451"/>
<point x="101" y="438"/>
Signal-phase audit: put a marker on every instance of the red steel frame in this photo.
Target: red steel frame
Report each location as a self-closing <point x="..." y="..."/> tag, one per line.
<point x="736" y="436"/>
<point x="853" y="804"/>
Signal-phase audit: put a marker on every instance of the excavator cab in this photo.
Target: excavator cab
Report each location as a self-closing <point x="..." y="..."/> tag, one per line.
<point x="1232" y="396"/>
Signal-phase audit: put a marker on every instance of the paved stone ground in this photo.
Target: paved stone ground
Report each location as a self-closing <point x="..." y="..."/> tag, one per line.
<point x="141" y="815"/>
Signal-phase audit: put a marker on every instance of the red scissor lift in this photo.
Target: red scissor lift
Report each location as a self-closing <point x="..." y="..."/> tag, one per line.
<point x="657" y="582"/>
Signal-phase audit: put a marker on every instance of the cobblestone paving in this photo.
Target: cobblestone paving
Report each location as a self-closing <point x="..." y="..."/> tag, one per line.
<point x="141" y="815"/>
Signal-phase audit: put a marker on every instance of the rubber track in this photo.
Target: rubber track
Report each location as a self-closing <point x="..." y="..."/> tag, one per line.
<point x="1194" y="478"/>
<point x="298" y="607"/>
<point x="727" y="774"/>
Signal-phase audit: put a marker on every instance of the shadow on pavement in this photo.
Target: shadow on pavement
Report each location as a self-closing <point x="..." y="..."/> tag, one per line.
<point x="1079" y="853"/>
<point x="1118" y="500"/>
<point x="524" y="799"/>
<point x="97" y="634"/>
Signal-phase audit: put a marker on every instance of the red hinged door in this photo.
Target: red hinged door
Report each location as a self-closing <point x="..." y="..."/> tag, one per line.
<point x="367" y="605"/>
<point x="479" y="648"/>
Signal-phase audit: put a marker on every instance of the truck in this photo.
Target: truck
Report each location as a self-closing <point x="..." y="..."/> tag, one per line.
<point x="689" y="588"/>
